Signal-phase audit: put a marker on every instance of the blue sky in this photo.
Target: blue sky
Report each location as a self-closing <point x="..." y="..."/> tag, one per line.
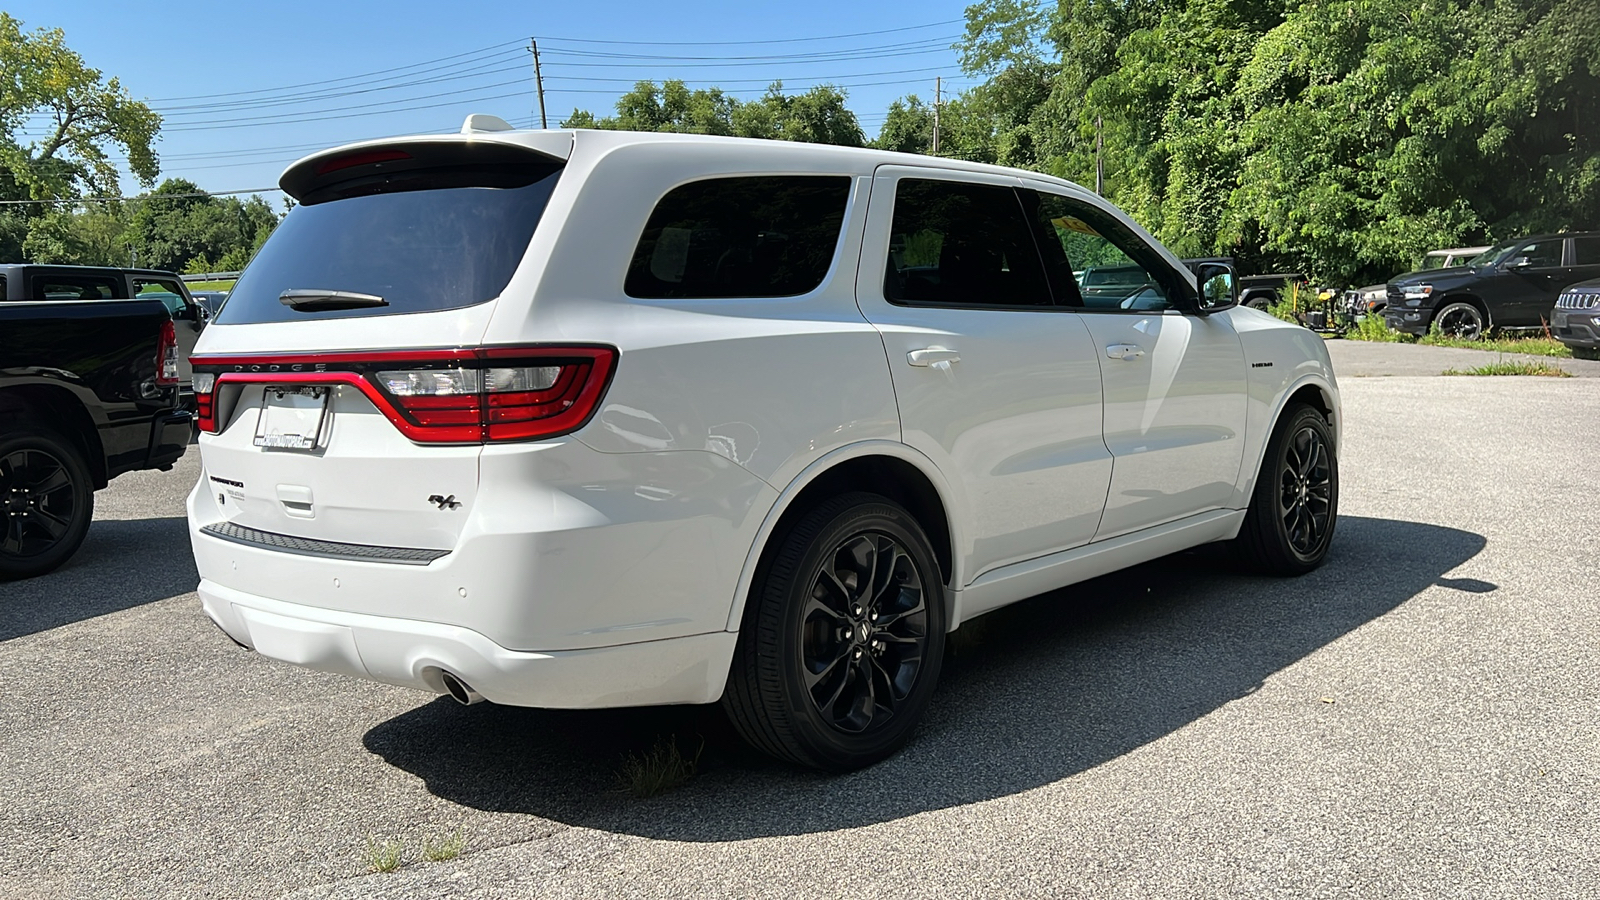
<point x="245" y="88"/>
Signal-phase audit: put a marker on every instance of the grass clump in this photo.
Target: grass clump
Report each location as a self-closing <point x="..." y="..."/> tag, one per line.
<point x="1528" y="346"/>
<point x="451" y="847"/>
<point x="1514" y="367"/>
<point x="225" y="285"/>
<point x="384" y="856"/>
<point x="1373" y="328"/>
<point x="661" y="769"/>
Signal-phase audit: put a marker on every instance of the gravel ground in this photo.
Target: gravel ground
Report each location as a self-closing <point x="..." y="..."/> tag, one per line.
<point x="1417" y="718"/>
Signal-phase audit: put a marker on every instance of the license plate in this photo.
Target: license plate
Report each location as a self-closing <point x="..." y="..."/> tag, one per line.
<point x="292" y="418"/>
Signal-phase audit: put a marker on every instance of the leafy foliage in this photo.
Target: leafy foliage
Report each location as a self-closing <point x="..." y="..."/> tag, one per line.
<point x="818" y="115"/>
<point x="41" y="77"/>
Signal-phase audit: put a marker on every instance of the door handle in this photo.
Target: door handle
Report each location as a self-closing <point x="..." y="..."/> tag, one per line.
<point x="1124" y="351"/>
<point x="929" y="356"/>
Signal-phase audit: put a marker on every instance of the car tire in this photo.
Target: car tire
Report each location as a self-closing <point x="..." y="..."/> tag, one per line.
<point x="842" y="638"/>
<point x="46" y="500"/>
<point x="1289" y="524"/>
<point x="1262" y="302"/>
<point x="1461" y="320"/>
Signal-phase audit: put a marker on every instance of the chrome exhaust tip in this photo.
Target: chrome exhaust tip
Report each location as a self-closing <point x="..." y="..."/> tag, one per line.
<point x="458" y="690"/>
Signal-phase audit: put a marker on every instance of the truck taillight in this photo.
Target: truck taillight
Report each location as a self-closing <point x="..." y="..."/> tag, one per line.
<point x="441" y="396"/>
<point x="167" y="355"/>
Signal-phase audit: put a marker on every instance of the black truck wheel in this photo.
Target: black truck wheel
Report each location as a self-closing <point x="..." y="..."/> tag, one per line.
<point x="843" y="639"/>
<point x="46" y="500"/>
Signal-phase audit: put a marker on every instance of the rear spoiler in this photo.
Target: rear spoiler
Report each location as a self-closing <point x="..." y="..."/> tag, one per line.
<point x="365" y="167"/>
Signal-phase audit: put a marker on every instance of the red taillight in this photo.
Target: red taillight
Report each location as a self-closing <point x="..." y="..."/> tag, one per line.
<point x="167" y="355"/>
<point x="205" y="401"/>
<point x="442" y="396"/>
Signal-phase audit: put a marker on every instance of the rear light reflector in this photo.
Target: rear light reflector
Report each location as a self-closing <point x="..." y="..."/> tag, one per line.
<point x="167" y="355"/>
<point x="445" y="396"/>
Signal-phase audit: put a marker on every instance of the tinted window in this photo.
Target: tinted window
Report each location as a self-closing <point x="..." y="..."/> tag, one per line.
<point x="740" y="237"/>
<point x="1586" y="251"/>
<point x="962" y="245"/>
<point x="1088" y="249"/>
<point x="77" y="287"/>
<point x="1543" y="254"/>
<point x="420" y="248"/>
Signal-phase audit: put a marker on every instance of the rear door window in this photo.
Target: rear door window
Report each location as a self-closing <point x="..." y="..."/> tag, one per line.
<point x="78" y="287"/>
<point x="961" y="244"/>
<point x="1586" y="251"/>
<point x="752" y="236"/>
<point x="436" y="240"/>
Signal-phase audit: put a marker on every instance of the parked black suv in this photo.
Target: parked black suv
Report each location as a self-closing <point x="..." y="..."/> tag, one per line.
<point x="1513" y="284"/>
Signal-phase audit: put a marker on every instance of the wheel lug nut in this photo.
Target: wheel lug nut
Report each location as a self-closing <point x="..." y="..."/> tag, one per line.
<point x="858" y="653"/>
<point x="873" y="616"/>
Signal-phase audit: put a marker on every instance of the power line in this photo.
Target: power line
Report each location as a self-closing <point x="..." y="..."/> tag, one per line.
<point x="492" y="65"/>
<point x="289" y="87"/>
<point x="77" y="200"/>
<point x="830" y="37"/>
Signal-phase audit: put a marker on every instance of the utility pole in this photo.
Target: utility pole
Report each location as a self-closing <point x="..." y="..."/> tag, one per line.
<point x="1099" y="164"/>
<point x="938" y="88"/>
<point x="538" y="79"/>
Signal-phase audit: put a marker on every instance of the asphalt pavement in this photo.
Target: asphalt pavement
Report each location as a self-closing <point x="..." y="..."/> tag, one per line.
<point x="1416" y="718"/>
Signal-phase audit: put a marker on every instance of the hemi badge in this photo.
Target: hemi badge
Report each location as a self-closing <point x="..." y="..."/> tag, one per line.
<point x="237" y="484"/>
<point x="1265" y="365"/>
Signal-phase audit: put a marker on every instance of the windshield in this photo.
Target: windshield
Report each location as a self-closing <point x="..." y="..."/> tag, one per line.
<point x="420" y="250"/>
<point x="1493" y="255"/>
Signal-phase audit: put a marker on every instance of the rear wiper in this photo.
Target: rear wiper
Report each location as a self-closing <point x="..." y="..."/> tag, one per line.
<point x="318" y="300"/>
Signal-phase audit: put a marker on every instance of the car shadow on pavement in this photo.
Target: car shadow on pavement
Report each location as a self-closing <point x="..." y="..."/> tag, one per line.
<point x="123" y="563"/>
<point x="1030" y="694"/>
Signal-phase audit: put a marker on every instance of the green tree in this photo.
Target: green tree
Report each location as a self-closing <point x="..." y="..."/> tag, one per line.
<point x="818" y="115"/>
<point x="908" y="128"/>
<point x="47" y="85"/>
<point x="94" y="236"/>
<point x="178" y="224"/>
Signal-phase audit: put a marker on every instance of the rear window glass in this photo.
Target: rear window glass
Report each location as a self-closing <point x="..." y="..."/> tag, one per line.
<point x="420" y="250"/>
<point x="1586" y="251"/>
<point x="757" y="236"/>
<point x="76" y="287"/>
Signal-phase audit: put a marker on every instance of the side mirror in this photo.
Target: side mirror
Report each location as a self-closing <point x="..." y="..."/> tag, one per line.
<point x="1219" y="289"/>
<point x="1521" y="262"/>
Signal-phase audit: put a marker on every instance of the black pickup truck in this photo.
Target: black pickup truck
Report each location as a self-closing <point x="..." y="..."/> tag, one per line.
<point x="89" y="377"/>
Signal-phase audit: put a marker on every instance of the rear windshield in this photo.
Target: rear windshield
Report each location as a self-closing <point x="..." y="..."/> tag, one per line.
<point x="421" y="250"/>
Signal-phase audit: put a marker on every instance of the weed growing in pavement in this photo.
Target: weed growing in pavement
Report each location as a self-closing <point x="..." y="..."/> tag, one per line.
<point x="447" y="849"/>
<point x="384" y="856"/>
<point x="1373" y="328"/>
<point x="660" y="769"/>
<point x="1514" y="367"/>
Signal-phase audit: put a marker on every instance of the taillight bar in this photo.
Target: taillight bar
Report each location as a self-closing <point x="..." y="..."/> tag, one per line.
<point x="444" y="396"/>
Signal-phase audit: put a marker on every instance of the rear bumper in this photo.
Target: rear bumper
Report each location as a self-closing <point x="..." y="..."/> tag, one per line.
<point x="414" y="654"/>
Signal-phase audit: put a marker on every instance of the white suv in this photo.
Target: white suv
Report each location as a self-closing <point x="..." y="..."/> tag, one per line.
<point x="589" y="419"/>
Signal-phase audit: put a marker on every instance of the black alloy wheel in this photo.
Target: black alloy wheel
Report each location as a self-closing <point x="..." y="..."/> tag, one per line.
<point x="46" y="502"/>
<point x="1460" y="320"/>
<point x="864" y="633"/>
<point x="1289" y="525"/>
<point x="843" y="637"/>
<point x="1305" y="490"/>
